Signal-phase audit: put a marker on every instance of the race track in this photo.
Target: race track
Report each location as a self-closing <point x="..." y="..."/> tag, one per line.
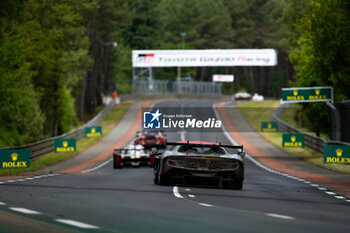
<point x="126" y="200"/>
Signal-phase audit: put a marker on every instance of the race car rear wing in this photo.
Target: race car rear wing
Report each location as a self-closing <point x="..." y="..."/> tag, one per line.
<point x="126" y="150"/>
<point x="204" y="145"/>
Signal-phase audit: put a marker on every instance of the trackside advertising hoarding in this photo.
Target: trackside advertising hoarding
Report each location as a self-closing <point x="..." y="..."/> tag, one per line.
<point x="222" y="78"/>
<point x="307" y="94"/>
<point x="339" y="154"/>
<point x="269" y="126"/>
<point x="206" y="57"/>
<point x="18" y="158"/>
<point x="293" y="140"/>
<point x="65" y="145"/>
<point x="94" y="131"/>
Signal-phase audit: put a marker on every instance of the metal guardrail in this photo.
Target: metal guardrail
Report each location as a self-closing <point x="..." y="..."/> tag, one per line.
<point x="42" y="147"/>
<point x="311" y="141"/>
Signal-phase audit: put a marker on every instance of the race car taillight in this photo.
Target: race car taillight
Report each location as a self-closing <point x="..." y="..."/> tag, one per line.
<point x="152" y="158"/>
<point x="117" y="160"/>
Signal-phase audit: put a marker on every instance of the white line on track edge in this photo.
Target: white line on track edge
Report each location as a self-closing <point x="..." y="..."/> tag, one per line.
<point x="205" y="204"/>
<point x="24" y="210"/>
<point x="176" y="192"/>
<point x="28" y="178"/>
<point x="280" y="216"/>
<point x="77" y="224"/>
<point x="228" y="136"/>
<point x="97" y="167"/>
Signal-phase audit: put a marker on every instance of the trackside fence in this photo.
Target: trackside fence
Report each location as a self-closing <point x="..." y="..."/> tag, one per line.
<point x="176" y="88"/>
<point x="40" y="148"/>
<point x="311" y="141"/>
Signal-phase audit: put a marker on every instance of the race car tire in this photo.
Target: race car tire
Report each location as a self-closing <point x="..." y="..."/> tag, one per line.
<point x="115" y="166"/>
<point x="237" y="185"/>
<point x="163" y="180"/>
<point x="155" y="177"/>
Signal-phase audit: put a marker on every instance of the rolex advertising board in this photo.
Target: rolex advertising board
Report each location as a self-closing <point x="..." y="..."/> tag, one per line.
<point x="18" y="158"/>
<point x="293" y="140"/>
<point x="307" y="94"/>
<point x="94" y="131"/>
<point x="336" y="154"/>
<point x="65" y="145"/>
<point x="269" y="126"/>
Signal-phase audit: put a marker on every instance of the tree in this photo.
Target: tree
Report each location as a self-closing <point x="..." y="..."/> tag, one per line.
<point x="321" y="54"/>
<point x="21" y="119"/>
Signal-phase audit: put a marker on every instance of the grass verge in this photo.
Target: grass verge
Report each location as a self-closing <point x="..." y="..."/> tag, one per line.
<point x="256" y="112"/>
<point x="110" y="121"/>
<point x="288" y="117"/>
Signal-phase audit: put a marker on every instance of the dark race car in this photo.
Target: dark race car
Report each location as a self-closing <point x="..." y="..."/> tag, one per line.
<point x="134" y="155"/>
<point x="151" y="138"/>
<point x="200" y="163"/>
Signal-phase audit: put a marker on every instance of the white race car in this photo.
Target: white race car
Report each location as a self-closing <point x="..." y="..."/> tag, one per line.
<point x="242" y="96"/>
<point x="134" y="155"/>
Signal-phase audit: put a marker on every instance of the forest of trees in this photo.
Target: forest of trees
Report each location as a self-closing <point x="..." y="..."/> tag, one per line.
<point x="57" y="57"/>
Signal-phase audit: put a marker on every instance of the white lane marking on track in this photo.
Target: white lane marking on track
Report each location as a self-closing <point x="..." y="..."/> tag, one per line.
<point x="191" y="195"/>
<point x="314" y="185"/>
<point x="178" y="195"/>
<point x="176" y="192"/>
<point x="205" y="204"/>
<point x="2" y="203"/>
<point x="188" y="190"/>
<point x="280" y="216"/>
<point x="330" y="193"/>
<point x="322" y="188"/>
<point x="28" y="178"/>
<point x="182" y="135"/>
<point x="24" y="210"/>
<point x="97" y="167"/>
<point x="77" y="224"/>
<point x="339" y="197"/>
<point x="348" y="200"/>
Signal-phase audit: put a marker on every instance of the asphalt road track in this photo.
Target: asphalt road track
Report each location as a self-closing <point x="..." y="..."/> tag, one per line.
<point x="126" y="200"/>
